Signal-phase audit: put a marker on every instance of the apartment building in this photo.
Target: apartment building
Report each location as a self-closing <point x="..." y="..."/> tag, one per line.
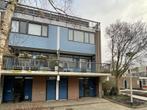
<point x="52" y="57"/>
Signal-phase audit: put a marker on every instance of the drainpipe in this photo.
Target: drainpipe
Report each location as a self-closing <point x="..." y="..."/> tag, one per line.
<point x="58" y="58"/>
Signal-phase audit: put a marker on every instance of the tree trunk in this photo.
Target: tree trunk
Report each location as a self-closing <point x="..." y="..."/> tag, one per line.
<point x="4" y="32"/>
<point x="117" y="85"/>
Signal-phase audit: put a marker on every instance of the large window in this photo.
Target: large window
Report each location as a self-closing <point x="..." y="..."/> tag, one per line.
<point x="34" y="29"/>
<point x="15" y="26"/>
<point x="86" y="37"/>
<point x="71" y="35"/>
<point x="44" y="30"/>
<point x="81" y="36"/>
<point x="29" y="28"/>
<point x="23" y="27"/>
<point x="91" y="36"/>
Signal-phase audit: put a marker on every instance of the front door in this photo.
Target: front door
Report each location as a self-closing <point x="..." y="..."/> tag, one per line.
<point x="28" y="89"/>
<point x="8" y="93"/>
<point x="51" y="89"/>
<point x="63" y="88"/>
<point x="87" y="87"/>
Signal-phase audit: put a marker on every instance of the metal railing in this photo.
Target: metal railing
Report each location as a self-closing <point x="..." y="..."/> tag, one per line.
<point x="10" y="63"/>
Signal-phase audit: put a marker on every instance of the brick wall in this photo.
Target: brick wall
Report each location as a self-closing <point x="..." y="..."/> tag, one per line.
<point x="39" y="88"/>
<point x="73" y="88"/>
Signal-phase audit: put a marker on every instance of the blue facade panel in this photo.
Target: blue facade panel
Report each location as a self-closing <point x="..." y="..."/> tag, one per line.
<point x="63" y="91"/>
<point x="51" y="90"/>
<point x="50" y="42"/>
<point x="28" y="89"/>
<point x="72" y="46"/>
<point x="37" y="42"/>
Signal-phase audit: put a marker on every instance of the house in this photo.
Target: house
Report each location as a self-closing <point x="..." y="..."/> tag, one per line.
<point x="139" y="78"/>
<point x="52" y="57"/>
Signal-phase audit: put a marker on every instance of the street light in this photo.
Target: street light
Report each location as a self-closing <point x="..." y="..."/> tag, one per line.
<point x="131" y="89"/>
<point x="129" y="54"/>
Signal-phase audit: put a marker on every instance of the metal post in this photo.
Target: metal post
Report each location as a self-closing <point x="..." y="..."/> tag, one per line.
<point x="131" y="89"/>
<point x="58" y="58"/>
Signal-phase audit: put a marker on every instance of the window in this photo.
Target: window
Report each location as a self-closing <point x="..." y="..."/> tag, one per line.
<point x="15" y="26"/>
<point x="70" y="34"/>
<point x="79" y="36"/>
<point x="34" y="29"/>
<point x="44" y="30"/>
<point x="23" y="27"/>
<point x="86" y="37"/>
<point x="91" y="38"/>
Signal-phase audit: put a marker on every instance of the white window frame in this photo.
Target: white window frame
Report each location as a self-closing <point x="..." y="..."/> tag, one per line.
<point x="15" y="26"/>
<point x="33" y="33"/>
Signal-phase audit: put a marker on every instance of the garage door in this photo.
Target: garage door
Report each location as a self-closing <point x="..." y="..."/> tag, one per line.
<point x="63" y="88"/>
<point x="51" y="89"/>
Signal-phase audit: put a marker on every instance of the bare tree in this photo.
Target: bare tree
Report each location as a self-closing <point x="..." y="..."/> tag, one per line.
<point x="5" y="28"/>
<point x="128" y="42"/>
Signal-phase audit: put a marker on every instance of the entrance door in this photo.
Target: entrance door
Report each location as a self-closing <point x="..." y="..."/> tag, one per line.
<point x="8" y="93"/>
<point x="51" y="89"/>
<point x="81" y="88"/>
<point x="126" y="84"/>
<point x="92" y="87"/>
<point x="28" y="89"/>
<point x="87" y="87"/>
<point x="18" y="89"/>
<point x="140" y="84"/>
<point x="63" y="88"/>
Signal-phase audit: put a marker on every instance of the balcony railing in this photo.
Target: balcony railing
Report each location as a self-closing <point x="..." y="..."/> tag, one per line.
<point x="10" y="63"/>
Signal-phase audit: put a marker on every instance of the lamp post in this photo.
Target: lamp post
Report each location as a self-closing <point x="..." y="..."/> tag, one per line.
<point x="129" y="54"/>
<point x="131" y="89"/>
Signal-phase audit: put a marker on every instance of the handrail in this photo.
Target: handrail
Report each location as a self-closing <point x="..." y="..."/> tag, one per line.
<point x="10" y="63"/>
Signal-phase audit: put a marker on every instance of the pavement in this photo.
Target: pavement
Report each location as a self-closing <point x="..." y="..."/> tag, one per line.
<point x="81" y="104"/>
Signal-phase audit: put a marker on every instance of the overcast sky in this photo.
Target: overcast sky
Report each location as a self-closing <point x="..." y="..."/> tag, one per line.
<point x="108" y="11"/>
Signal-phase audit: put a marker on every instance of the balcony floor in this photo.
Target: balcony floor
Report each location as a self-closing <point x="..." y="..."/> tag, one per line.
<point x="49" y="73"/>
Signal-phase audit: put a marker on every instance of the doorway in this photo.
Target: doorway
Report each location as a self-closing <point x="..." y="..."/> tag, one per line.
<point x="125" y="84"/>
<point x="140" y="84"/>
<point x="18" y="89"/>
<point x="87" y="87"/>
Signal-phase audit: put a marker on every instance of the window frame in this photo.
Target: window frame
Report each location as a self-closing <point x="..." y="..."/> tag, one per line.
<point x="83" y="36"/>
<point x="18" y="26"/>
<point x="27" y="27"/>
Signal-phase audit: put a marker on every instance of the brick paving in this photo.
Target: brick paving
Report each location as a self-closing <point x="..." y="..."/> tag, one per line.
<point x="82" y="104"/>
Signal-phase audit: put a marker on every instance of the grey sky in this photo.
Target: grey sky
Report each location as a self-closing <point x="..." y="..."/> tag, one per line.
<point x="108" y="11"/>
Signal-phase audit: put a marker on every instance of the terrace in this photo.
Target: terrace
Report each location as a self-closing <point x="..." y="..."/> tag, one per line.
<point x="30" y="64"/>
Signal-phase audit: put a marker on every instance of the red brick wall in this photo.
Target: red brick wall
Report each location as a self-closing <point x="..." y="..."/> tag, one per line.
<point x="73" y="88"/>
<point x="39" y="88"/>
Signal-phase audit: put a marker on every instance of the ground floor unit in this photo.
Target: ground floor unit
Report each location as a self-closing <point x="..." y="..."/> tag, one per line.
<point x="44" y="88"/>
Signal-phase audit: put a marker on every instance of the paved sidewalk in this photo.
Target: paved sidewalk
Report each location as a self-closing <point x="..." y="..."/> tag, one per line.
<point x="50" y="104"/>
<point x="82" y="104"/>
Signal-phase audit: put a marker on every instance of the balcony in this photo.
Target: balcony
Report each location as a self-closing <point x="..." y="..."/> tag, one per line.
<point x="29" y="64"/>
